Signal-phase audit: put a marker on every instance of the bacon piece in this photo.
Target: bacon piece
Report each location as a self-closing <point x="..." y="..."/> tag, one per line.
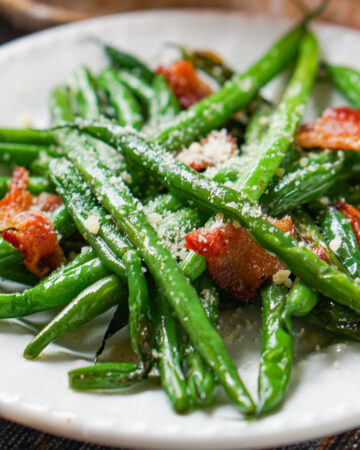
<point x="185" y="82"/>
<point x="34" y="236"/>
<point x="216" y="148"/>
<point x="26" y="227"/>
<point x="18" y="199"/>
<point x="234" y="261"/>
<point x="353" y="214"/>
<point x="46" y="202"/>
<point x="338" y="128"/>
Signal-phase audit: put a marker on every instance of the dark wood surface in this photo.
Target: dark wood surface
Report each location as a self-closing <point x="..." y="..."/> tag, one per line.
<point x="18" y="437"/>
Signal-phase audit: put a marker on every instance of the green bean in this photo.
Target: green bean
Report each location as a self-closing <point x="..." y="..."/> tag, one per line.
<point x="193" y="267"/>
<point x="201" y="380"/>
<point x="143" y="90"/>
<point x="257" y="127"/>
<point x="209" y="63"/>
<point x="181" y="295"/>
<point x="83" y="209"/>
<point x="127" y="109"/>
<point x="162" y="203"/>
<point x="230" y="170"/>
<point x="301" y="298"/>
<point x="186" y="183"/>
<point x="164" y="105"/>
<point x="6" y="248"/>
<point x="343" y="190"/>
<point x="165" y="202"/>
<point x="62" y="222"/>
<point x="40" y="165"/>
<point x="26" y="136"/>
<point x="299" y="302"/>
<point x="56" y="290"/>
<point x="213" y="111"/>
<point x="301" y="186"/>
<point x="123" y="60"/>
<point x="60" y="103"/>
<point x="61" y="106"/>
<point x="106" y="376"/>
<point x="9" y="251"/>
<point x="285" y="120"/>
<point x="352" y="194"/>
<point x="337" y="319"/>
<point x="16" y="271"/>
<point x="22" y="154"/>
<point x="169" y="346"/>
<point x="133" y="175"/>
<point x="347" y="80"/>
<point x="140" y="327"/>
<point x="170" y="350"/>
<point x="341" y="239"/>
<point x="112" y="249"/>
<point x="85" y="94"/>
<point x="276" y="350"/>
<point x="90" y="303"/>
<point x="310" y="233"/>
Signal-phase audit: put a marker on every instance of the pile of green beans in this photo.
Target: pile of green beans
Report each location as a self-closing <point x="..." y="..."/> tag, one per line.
<point x="128" y="202"/>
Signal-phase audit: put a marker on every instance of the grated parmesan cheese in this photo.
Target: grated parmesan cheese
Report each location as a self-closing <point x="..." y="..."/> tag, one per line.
<point x="154" y="218"/>
<point x="280" y="172"/>
<point x="335" y="244"/>
<point x="281" y="276"/>
<point x="325" y="201"/>
<point x="126" y="177"/>
<point x="92" y="224"/>
<point x="303" y="161"/>
<point x="215" y="149"/>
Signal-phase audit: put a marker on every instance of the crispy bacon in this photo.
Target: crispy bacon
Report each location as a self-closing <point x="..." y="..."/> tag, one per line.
<point x="46" y="202"/>
<point x="338" y="128"/>
<point x="34" y="236"/>
<point x="353" y="214"/>
<point x="18" y="199"/>
<point x="234" y="261"/>
<point x="26" y="227"/>
<point x="185" y="82"/>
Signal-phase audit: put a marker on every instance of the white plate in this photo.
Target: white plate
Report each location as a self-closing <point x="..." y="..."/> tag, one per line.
<point x="325" y="391"/>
